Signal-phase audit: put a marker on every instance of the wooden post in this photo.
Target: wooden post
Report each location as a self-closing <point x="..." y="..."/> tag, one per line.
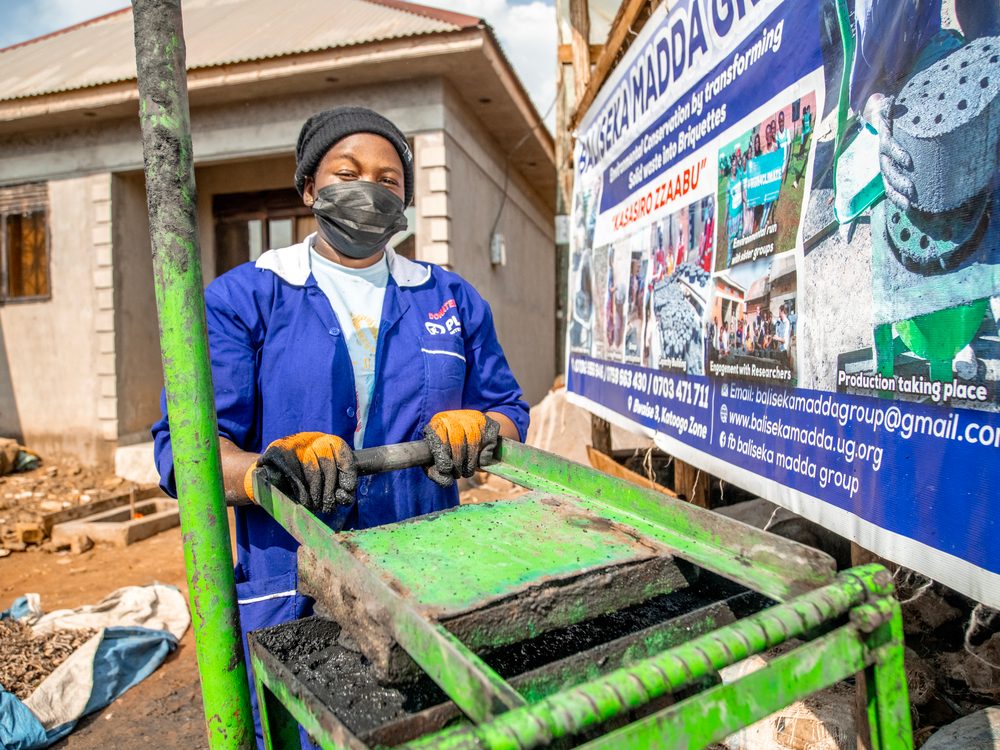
<point x="579" y="19"/>
<point x="565" y="99"/>
<point x="627" y="21"/>
<point x="693" y="484"/>
<point x="600" y="435"/>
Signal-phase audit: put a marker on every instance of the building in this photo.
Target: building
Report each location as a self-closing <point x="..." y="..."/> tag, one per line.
<point x="775" y="288"/>
<point x="79" y="352"/>
<point x="729" y="301"/>
<point x="783" y="284"/>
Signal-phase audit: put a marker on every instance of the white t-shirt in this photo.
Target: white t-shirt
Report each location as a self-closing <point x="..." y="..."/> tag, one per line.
<point x="356" y="296"/>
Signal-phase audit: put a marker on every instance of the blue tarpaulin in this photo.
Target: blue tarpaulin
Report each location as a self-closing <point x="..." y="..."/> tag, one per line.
<point x="100" y="670"/>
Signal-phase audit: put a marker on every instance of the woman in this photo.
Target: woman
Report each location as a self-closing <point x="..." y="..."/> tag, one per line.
<point x="338" y="343"/>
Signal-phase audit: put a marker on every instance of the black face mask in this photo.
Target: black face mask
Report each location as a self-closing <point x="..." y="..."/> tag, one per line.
<point x="358" y="218"/>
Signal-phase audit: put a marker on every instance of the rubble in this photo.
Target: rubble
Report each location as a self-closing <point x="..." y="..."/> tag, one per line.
<point x="29" y="532"/>
<point x="31" y="501"/>
<point x="80" y="544"/>
<point x="974" y="668"/>
<point x="26" y="659"/>
<point x="14" y="457"/>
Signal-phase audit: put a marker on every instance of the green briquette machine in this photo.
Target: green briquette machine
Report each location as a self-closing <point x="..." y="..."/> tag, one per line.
<point x="588" y="612"/>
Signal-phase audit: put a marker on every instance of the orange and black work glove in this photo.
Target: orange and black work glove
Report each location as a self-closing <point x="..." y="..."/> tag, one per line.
<point x="460" y="441"/>
<point x="314" y="469"/>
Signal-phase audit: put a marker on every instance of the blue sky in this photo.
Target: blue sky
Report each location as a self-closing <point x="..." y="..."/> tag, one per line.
<point x="526" y="29"/>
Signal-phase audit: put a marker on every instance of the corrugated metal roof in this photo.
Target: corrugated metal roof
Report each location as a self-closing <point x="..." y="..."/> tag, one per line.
<point x="216" y="32"/>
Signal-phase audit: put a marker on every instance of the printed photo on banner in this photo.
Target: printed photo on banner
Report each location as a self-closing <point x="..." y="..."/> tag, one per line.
<point x="616" y="286"/>
<point x="581" y="277"/>
<point x="636" y="302"/>
<point x="752" y="330"/>
<point x="581" y="301"/>
<point x="599" y="322"/>
<point x="904" y="298"/>
<point x="681" y="252"/>
<point x="643" y="298"/>
<point x="762" y="182"/>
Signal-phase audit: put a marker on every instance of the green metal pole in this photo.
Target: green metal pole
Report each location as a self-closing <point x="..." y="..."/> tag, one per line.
<point x="170" y="192"/>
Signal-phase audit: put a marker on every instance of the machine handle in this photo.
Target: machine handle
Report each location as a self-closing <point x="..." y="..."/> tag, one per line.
<point x="392" y="457"/>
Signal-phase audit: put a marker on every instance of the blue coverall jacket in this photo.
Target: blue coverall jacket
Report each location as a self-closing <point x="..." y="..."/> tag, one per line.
<point x="280" y="365"/>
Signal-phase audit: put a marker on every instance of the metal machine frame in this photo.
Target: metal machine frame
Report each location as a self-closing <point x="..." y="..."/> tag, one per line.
<point x="850" y="623"/>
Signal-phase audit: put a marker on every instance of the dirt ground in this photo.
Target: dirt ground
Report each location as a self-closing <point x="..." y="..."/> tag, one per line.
<point x="165" y="709"/>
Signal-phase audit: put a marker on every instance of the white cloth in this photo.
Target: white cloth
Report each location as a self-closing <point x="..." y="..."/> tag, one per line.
<point x="64" y="695"/>
<point x="156" y="606"/>
<point x="356" y="296"/>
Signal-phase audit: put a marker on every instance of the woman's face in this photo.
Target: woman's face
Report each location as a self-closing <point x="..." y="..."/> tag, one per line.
<point x="361" y="156"/>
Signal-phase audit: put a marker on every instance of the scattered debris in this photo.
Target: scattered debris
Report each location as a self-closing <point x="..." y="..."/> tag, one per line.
<point x="14" y="457"/>
<point x="80" y="544"/>
<point x="32" y="501"/>
<point x="29" y="532"/>
<point x="26" y="659"/>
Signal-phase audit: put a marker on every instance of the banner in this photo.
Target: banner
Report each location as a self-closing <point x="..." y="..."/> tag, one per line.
<point x="785" y="263"/>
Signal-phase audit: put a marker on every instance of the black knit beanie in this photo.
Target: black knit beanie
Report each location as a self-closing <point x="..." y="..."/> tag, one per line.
<point x="324" y="129"/>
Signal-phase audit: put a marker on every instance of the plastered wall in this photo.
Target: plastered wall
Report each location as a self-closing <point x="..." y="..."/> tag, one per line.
<point x="51" y="359"/>
<point x="139" y="376"/>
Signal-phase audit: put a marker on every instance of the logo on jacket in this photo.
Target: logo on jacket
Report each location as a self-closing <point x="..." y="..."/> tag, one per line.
<point x="449" y="305"/>
<point x="451" y="325"/>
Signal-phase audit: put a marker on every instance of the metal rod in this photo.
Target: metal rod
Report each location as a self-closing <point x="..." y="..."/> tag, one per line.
<point x="392" y="457"/>
<point x="279" y="727"/>
<point x="624" y="690"/>
<point x="888" y="694"/>
<point x="171" y="198"/>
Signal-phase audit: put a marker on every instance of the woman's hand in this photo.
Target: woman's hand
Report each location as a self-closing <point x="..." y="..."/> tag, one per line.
<point x="314" y="469"/>
<point x="461" y="442"/>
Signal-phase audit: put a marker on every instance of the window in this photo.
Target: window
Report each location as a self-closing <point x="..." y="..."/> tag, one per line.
<point x="247" y="224"/>
<point x="24" y="241"/>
